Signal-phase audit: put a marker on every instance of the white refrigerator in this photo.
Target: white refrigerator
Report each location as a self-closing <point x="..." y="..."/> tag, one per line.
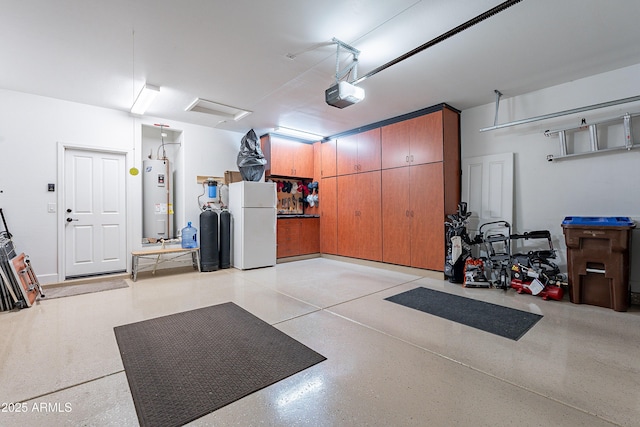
<point x="253" y="214"/>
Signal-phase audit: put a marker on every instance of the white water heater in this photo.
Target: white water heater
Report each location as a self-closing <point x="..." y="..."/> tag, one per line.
<point x="157" y="200"/>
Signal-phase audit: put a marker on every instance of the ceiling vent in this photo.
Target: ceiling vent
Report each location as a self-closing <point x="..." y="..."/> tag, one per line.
<point x="225" y="111"/>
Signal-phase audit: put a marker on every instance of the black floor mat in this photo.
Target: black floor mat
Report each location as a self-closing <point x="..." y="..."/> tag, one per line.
<point x="186" y="365"/>
<point x="504" y="321"/>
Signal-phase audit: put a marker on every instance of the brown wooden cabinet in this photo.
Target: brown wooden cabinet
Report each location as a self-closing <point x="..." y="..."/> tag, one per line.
<point x="286" y="157"/>
<point x="359" y="217"/>
<point x="297" y="236"/>
<point x="412" y="216"/>
<point x="419" y="194"/>
<point x="391" y="201"/>
<point x="414" y="141"/>
<point x="317" y="161"/>
<point x="286" y="230"/>
<point x="328" y="197"/>
<point x="309" y="236"/>
<point x="396" y="220"/>
<point x="358" y="153"/>
<point x="328" y="158"/>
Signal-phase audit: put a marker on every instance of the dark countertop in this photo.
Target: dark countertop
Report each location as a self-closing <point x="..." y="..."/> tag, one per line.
<point x="285" y="216"/>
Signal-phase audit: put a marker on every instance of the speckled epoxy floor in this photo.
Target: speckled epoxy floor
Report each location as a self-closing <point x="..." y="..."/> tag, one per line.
<point x="386" y="364"/>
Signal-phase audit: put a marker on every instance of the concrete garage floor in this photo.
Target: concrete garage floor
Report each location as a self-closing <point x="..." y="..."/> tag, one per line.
<point x="386" y="364"/>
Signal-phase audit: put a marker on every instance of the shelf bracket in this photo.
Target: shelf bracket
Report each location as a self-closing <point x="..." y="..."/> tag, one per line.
<point x="498" y="96"/>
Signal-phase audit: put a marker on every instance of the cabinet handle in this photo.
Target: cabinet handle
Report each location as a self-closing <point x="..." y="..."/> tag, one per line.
<point x="407" y="159"/>
<point x="411" y="214"/>
<point x="412" y="158"/>
<point x="406" y="213"/>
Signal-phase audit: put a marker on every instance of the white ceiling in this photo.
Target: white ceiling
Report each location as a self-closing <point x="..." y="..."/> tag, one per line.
<point x="234" y="52"/>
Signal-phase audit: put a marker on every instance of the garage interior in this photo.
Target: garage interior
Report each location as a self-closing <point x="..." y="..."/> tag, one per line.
<point x="541" y="95"/>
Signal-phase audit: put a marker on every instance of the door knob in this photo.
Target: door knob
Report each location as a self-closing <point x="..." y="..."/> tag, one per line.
<point x="71" y="219"/>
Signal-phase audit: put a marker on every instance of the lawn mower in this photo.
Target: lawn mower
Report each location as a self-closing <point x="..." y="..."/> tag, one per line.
<point x="534" y="272"/>
<point x="494" y="239"/>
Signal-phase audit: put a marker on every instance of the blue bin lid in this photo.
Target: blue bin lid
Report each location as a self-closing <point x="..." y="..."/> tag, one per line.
<point x="611" y="221"/>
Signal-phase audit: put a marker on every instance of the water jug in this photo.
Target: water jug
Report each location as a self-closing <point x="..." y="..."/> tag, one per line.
<point x="189" y="236"/>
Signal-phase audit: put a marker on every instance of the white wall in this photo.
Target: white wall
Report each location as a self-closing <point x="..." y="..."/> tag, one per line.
<point x="547" y="192"/>
<point x="31" y="127"/>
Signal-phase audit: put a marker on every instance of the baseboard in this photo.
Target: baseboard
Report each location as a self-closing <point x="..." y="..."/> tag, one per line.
<point x="297" y="258"/>
<point x="438" y="275"/>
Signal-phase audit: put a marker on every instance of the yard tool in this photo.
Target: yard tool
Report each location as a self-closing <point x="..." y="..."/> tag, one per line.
<point x="495" y="240"/>
<point x="534" y="272"/>
<point x="458" y="244"/>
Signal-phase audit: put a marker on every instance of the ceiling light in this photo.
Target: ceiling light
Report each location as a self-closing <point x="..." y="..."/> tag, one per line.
<point x="307" y="136"/>
<point x="209" y="107"/>
<point x="145" y="98"/>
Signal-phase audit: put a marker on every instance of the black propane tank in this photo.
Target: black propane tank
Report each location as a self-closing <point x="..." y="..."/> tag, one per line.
<point x="225" y="239"/>
<point x="208" y="240"/>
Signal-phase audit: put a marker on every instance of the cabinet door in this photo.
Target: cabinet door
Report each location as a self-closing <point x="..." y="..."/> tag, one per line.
<point x="287" y="237"/>
<point x="426" y="138"/>
<point x="282" y="156"/>
<point x="265" y="145"/>
<point x="348" y="190"/>
<point x="328" y="216"/>
<point x="369" y="152"/>
<point x="309" y="236"/>
<point x="303" y="161"/>
<point x="347" y="155"/>
<point x="395" y="145"/>
<point x="317" y="161"/>
<point x="427" y="216"/>
<point x="369" y="231"/>
<point x="328" y="155"/>
<point x="396" y="220"/>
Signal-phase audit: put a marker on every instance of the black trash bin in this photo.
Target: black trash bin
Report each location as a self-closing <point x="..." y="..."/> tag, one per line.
<point x="598" y="260"/>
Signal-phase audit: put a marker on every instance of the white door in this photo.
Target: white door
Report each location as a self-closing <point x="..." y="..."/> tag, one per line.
<point x="487" y="187"/>
<point x="94" y="204"/>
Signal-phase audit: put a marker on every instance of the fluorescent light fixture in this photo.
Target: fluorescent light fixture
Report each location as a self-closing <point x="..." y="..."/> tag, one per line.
<point x="209" y="107"/>
<point x="300" y="134"/>
<point x="145" y="98"/>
